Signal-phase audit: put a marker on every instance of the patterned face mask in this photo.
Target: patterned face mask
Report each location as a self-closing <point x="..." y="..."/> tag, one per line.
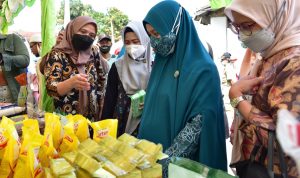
<point x="165" y="45"/>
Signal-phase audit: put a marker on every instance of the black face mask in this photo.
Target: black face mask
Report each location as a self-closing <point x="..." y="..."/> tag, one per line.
<point x="81" y="42"/>
<point x="105" y="49"/>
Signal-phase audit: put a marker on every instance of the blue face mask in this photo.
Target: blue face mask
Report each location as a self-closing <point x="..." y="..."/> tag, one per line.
<point x="165" y="45"/>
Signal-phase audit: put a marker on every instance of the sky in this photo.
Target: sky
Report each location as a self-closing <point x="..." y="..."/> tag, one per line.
<point x="29" y="19"/>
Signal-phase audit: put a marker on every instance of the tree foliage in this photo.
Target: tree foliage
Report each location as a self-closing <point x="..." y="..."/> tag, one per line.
<point x="113" y="17"/>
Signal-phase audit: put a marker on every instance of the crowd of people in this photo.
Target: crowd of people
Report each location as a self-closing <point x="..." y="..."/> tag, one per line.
<point x="183" y="108"/>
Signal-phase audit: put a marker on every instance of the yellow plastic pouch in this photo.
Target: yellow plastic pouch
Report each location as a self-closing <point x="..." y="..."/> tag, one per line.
<point x="104" y="128"/>
<point x="10" y="157"/>
<point x="9" y="147"/>
<point x="81" y="127"/>
<point x="25" y="164"/>
<point x="47" y="151"/>
<point x="3" y="142"/>
<point x="28" y="165"/>
<point x="53" y="127"/>
<point x="30" y="126"/>
<point x="39" y="172"/>
<point x="70" y="141"/>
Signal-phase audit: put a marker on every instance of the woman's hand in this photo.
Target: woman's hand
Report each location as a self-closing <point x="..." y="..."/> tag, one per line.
<point x="80" y="82"/>
<point x="246" y="85"/>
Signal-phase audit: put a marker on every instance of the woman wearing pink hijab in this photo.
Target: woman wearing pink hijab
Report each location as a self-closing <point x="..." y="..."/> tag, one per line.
<point x="74" y="74"/>
<point x="272" y="28"/>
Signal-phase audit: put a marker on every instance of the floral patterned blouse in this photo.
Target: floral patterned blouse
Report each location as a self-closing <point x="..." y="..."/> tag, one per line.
<point x="279" y="90"/>
<point x="60" y="67"/>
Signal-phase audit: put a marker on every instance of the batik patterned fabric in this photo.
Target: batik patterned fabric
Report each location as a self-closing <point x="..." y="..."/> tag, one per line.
<point x="60" y="68"/>
<point x="279" y="90"/>
<point x="185" y="144"/>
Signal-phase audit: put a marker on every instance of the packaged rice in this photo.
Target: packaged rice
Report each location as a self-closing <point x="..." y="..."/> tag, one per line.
<point x="60" y="167"/>
<point x="87" y="163"/>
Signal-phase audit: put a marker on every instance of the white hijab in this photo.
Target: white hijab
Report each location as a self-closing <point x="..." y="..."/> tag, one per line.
<point x="287" y="33"/>
<point x="133" y="74"/>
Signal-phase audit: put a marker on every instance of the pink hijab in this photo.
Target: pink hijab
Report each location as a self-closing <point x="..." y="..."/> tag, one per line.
<point x="78" y="58"/>
<point x="287" y="33"/>
<point x="66" y="44"/>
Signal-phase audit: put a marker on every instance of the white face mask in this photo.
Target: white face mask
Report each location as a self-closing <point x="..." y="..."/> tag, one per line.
<point x="258" y="41"/>
<point x="135" y="51"/>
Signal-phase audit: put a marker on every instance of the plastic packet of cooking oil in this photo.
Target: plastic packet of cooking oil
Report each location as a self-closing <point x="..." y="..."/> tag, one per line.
<point x="27" y="163"/>
<point x="81" y="127"/>
<point x="53" y="127"/>
<point x="47" y="151"/>
<point x="104" y="128"/>
<point x="30" y="126"/>
<point x="9" y="147"/>
<point x="70" y="141"/>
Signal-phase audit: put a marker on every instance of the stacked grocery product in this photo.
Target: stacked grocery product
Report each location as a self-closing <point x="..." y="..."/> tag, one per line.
<point x="65" y="150"/>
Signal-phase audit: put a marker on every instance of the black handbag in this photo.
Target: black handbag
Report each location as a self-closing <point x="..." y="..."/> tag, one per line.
<point x="256" y="169"/>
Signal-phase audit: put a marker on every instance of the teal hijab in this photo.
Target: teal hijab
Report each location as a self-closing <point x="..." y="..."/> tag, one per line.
<point x="173" y="101"/>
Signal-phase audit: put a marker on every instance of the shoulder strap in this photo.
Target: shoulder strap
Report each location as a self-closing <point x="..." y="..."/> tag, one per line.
<point x="270" y="154"/>
<point x="282" y="163"/>
<point x="283" y="167"/>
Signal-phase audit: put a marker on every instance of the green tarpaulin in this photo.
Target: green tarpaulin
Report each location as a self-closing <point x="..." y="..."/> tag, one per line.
<point x="217" y="4"/>
<point x="48" y="39"/>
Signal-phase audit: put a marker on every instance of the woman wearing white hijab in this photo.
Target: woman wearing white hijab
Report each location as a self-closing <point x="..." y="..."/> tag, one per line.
<point x="128" y="75"/>
<point x="272" y="28"/>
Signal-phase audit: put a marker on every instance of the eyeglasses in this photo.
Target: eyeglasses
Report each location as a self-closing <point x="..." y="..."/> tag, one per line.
<point x="245" y="28"/>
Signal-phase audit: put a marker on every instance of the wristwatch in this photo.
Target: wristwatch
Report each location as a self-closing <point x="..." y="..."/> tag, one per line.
<point x="235" y="101"/>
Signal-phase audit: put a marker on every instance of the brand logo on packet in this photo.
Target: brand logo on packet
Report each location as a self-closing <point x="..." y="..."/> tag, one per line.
<point x="67" y="137"/>
<point x="102" y="133"/>
<point x="38" y="171"/>
<point x="3" y="139"/>
<point x="76" y="125"/>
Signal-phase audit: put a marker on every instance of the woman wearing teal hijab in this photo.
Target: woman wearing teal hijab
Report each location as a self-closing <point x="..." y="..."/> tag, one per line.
<point x="183" y="107"/>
